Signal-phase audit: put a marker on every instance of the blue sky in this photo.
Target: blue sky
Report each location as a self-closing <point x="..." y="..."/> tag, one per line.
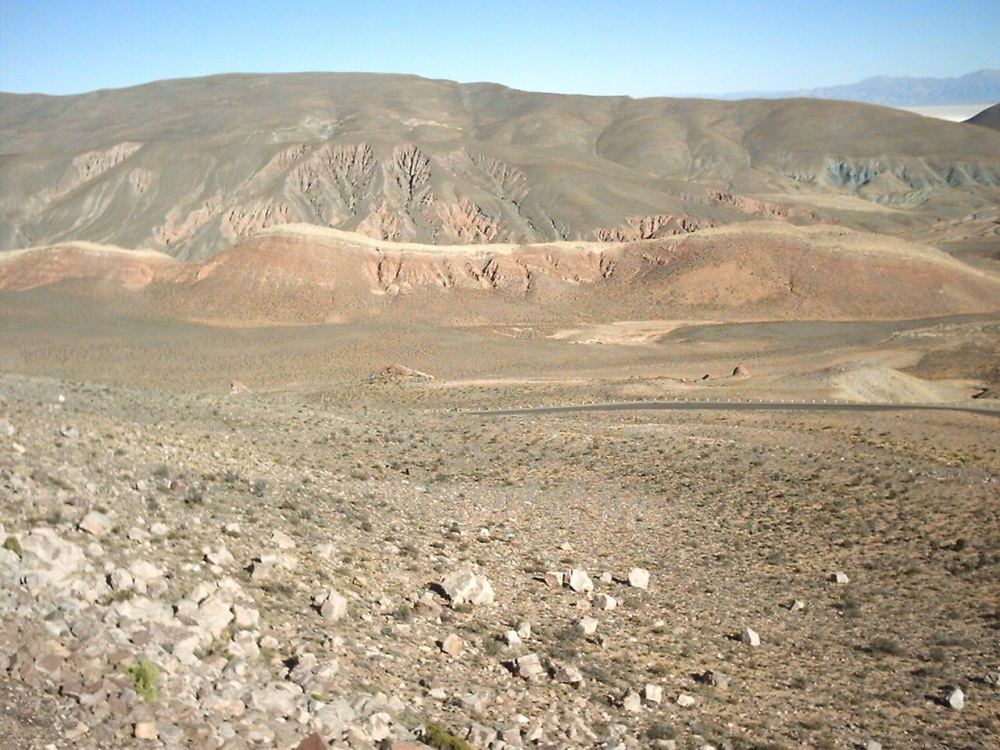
<point x="588" y="47"/>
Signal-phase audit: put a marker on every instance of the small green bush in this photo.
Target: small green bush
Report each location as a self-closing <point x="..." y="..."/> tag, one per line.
<point x="144" y="674"/>
<point x="11" y="543"/>
<point x="437" y="736"/>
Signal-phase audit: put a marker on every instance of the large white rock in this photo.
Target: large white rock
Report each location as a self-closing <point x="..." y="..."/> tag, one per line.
<point x="579" y="581"/>
<point x="956" y="699"/>
<point x="463" y="586"/>
<point x="529" y="667"/>
<point x="333" y="607"/>
<point x="652" y="694"/>
<point x="214" y="614"/>
<point x="605" y="601"/>
<point x="632" y="702"/>
<point x="638" y="578"/>
<point x="96" y="523"/>
<point x="48" y="559"/>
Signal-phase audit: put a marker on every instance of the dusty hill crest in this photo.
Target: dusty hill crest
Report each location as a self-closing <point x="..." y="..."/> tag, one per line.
<point x="304" y="274"/>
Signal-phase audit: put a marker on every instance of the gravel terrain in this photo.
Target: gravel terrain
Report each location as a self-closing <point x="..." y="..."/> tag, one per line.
<point x="243" y="570"/>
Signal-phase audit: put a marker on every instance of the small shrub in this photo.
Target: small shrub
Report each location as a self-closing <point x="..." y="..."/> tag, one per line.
<point x="11" y="543"/>
<point x="437" y="736"/>
<point x="144" y="674"/>
<point x="660" y="730"/>
<point x="883" y="645"/>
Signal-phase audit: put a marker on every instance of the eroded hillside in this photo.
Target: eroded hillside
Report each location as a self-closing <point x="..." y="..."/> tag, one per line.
<point x="189" y="167"/>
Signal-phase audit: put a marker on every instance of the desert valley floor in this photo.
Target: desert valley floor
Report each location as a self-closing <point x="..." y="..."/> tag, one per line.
<point x="189" y="494"/>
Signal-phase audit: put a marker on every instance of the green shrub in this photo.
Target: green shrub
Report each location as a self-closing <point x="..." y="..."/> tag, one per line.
<point x="11" y="543"/>
<point x="437" y="736"/>
<point x="144" y="674"/>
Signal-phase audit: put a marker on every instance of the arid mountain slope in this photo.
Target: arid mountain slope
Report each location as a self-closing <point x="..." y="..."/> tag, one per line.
<point x="304" y="274"/>
<point x="988" y="118"/>
<point x="189" y="167"/>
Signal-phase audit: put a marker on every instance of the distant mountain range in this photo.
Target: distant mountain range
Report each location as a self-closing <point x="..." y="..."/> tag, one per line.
<point x="899" y="91"/>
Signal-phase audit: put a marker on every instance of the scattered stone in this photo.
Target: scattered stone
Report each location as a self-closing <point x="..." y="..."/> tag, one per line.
<point x="214" y="614"/>
<point x="579" y="581"/>
<point x="513" y="639"/>
<point x="632" y="702"/>
<point x="750" y="637"/>
<point x="956" y="699"/>
<point x="587" y="625"/>
<point x="652" y="694"/>
<point x="715" y="678"/>
<point x="686" y="701"/>
<point x="605" y="602"/>
<point x="332" y="606"/>
<point x="145" y="730"/>
<point x="638" y="578"/>
<point x="48" y="560"/>
<point x="840" y="577"/>
<point x="282" y="540"/>
<point x="524" y="630"/>
<point x="873" y="745"/>
<point x="96" y="524"/>
<point x="568" y="675"/>
<point x="221" y="557"/>
<point x="553" y="579"/>
<point x="607" y="578"/>
<point x="465" y="586"/>
<point x="528" y="667"/>
<point x="796" y="606"/>
<point x="480" y="735"/>
<point x="452" y="645"/>
<point x="247" y="618"/>
<point x="120" y="580"/>
<point x="313" y="742"/>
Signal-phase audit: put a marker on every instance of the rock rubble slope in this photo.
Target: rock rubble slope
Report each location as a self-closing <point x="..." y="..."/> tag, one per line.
<point x="183" y="570"/>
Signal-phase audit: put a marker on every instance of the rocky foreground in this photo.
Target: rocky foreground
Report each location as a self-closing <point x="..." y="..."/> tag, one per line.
<point x="351" y="570"/>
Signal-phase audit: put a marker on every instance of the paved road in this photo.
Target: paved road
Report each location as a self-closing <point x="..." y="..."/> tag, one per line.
<point x="740" y="406"/>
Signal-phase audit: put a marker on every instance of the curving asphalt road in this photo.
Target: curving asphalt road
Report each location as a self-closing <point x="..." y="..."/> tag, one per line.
<point x="739" y="406"/>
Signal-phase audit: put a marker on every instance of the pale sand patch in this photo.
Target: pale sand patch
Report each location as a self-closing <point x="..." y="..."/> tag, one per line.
<point x="92" y="248"/>
<point x="340" y="237"/>
<point x="877" y="383"/>
<point x="625" y="332"/>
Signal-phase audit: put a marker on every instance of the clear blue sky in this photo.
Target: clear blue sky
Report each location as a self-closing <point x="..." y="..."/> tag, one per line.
<point x="638" y="48"/>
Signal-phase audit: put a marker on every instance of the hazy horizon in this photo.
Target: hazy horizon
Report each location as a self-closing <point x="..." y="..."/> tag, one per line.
<point x="598" y="48"/>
